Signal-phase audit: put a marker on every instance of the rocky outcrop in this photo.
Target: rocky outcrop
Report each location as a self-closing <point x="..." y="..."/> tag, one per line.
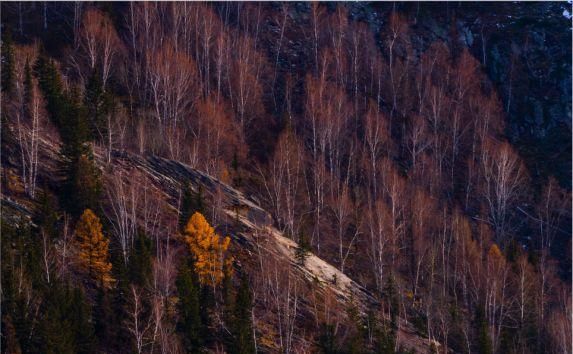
<point x="250" y="219"/>
<point x="247" y="219"/>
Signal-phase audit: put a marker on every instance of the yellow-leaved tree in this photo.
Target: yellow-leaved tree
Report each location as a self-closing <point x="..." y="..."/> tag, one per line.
<point x="208" y="249"/>
<point x="93" y="249"/>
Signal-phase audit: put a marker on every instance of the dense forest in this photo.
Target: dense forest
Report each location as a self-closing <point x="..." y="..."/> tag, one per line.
<point x="185" y="177"/>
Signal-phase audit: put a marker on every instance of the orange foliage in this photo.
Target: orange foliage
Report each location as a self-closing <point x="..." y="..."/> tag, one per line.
<point x="93" y="249"/>
<point x="208" y="249"/>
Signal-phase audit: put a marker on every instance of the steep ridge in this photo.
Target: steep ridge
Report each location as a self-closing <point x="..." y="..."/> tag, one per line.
<point x="249" y="221"/>
<point x="170" y="176"/>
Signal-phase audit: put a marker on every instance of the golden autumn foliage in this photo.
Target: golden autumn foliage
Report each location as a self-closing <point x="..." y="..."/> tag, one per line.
<point x="93" y="249"/>
<point x="494" y="252"/>
<point x="208" y="249"/>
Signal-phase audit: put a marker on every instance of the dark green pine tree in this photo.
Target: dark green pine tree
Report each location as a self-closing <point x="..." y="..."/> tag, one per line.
<point x="302" y="249"/>
<point x="355" y="342"/>
<point x="51" y="85"/>
<point x="14" y="305"/>
<point x="327" y="340"/>
<point x="237" y="178"/>
<point x="207" y="303"/>
<point x="228" y="298"/>
<point x="108" y="315"/>
<point x="28" y="83"/>
<point x="384" y="340"/>
<point x="7" y="137"/>
<point x="7" y="61"/>
<point x="83" y="185"/>
<point x="392" y="298"/>
<point x="81" y="319"/>
<point x="190" y="324"/>
<point x="74" y="127"/>
<point x="140" y="265"/>
<point x="47" y="214"/>
<point x="483" y="339"/>
<point x="93" y="101"/>
<point x="65" y="325"/>
<point x="191" y="202"/>
<point x="243" y="342"/>
<point x="98" y="103"/>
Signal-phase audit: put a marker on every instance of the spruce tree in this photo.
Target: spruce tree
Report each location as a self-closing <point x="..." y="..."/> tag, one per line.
<point x="52" y="87"/>
<point x="140" y="262"/>
<point x="55" y="331"/>
<point x="228" y="295"/>
<point x="8" y="61"/>
<point x="7" y="137"/>
<point x="385" y="340"/>
<point x="327" y="340"/>
<point x="392" y="298"/>
<point x="242" y="319"/>
<point x="81" y="319"/>
<point x="65" y="325"/>
<point x="82" y="188"/>
<point x="28" y="84"/>
<point x="74" y="127"/>
<point x="484" y="341"/>
<point x="192" y="202"/>
<point x="302" y="249"/>
<point x="107" y="318"/>
<point x="355" y="339"/>
<point x="13" y="301"/>
<point x="47" y="214"/>
<point x="98" y="103"/>
<point x="237" y="178"/>
<point x="207" y="303"/>
<point x="190" y="323"/>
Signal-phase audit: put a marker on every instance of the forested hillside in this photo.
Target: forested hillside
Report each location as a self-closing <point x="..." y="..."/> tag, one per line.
<point x="186" y="177"/>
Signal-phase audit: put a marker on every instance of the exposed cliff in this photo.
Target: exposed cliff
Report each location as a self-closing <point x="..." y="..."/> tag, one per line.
<point x="524" y="47"/>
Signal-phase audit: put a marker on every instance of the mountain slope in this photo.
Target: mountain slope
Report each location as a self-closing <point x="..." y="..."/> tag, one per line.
<point x="249" y="225"/>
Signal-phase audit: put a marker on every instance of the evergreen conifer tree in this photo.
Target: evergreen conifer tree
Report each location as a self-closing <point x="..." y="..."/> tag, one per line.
<point x="107" y="318"/>
<point x="140" y="268"/>
<point x="47" y="214"/>
<point x="302" y="249"/>
<point x="192" y="202"/>
<point x="392" y="298"/>
<point x="52" y="87"/>
<point x="484" y="340"/>
<point x="228" y="294"/>
<point x="327" y="340"/>
<point x="81" y="319"/>
<point x="98" y="104"/>
<point x="65" y="325"/>
<point x="28" y="84"/>
<point x="385" y="340"/>
<point x="190" y="323"/>
<point x="355" y="339"/>
<point x="83" y="186"/>
<point x="242" y="319"/>
<point x="8" y="61"/>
